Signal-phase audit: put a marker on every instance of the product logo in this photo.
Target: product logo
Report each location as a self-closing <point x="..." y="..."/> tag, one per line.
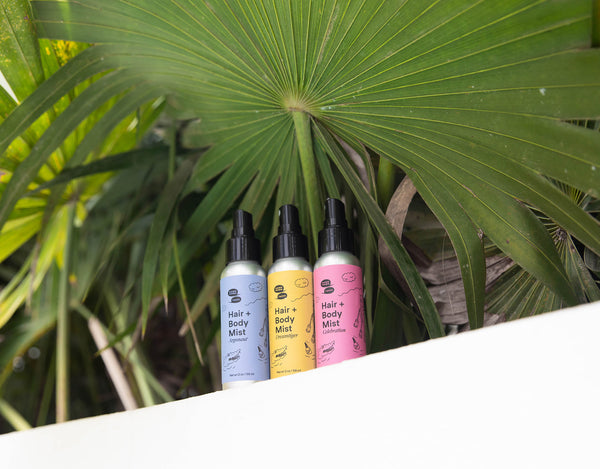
<point x="326" y="283"/>
<point x="233" y="292"/>
<point x="280" y="290"/>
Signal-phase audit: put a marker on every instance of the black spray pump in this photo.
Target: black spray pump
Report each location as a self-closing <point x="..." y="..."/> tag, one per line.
<point x="335" y="235"/>
<point x="242" y="246"/>
<point x="289" y="242"/>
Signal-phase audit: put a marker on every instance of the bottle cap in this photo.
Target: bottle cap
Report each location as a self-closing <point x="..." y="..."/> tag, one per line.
<point x="289" y="242"/>
<point x="242" y="246"/>
<point x="335" y="235"/>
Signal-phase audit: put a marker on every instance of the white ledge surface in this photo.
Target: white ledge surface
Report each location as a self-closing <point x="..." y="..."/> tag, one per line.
<point x="525" y="394"/>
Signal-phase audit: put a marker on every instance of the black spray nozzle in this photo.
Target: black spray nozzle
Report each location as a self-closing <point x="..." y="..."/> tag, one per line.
<point x="242" y="246"/>
<point x="242" y="224"/>
<point x="289" y="242"/>
<point x="289" y="220"/>
<point x="335" y="214"/>
<point x="335" y="235"/>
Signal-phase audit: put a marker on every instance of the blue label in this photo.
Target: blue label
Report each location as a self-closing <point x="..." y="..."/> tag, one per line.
<point x="244" y="328"/>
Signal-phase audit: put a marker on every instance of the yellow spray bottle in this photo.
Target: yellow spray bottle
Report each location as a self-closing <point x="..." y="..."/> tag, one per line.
<point x="290" y="286"/>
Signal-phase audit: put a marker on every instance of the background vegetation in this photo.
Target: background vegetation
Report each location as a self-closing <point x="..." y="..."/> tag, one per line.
<point x="136" y="128"/>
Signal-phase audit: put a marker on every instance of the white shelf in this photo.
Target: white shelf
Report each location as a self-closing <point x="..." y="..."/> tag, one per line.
<point x="524" y="394"/>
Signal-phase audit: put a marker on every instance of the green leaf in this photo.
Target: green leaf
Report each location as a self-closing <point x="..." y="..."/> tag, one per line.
<point x="233" y="182"/>
<point x="141" y="157"/>
<point x="377" y="218"/>
<point x="7" y="104"/>
<point x="93" y="96"/>
<point x="14" y="294"/>
<point x="327" y="173"/>
<point x="85" y="65"/>
<point x="13" y="417"/>
<point x="468" y="246"/>
<point x="592" y="260"/>
<point x="168" y="199"/>
<point x="24" y="332"/>
<point x="468" y="94"/>
<point x="18" y="231"/>
<point x="19" y="57"/>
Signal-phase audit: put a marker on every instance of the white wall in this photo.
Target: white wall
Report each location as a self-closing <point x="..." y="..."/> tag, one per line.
<point x="524" y="394"/>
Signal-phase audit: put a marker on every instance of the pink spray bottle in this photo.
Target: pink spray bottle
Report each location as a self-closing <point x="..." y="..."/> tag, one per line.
<point x="338" y="290"/>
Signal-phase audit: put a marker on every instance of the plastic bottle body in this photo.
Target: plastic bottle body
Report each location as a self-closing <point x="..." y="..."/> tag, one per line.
<point x="244" y="324"/>
<point x="291" y="318"/>
<point x="339" y="308"/>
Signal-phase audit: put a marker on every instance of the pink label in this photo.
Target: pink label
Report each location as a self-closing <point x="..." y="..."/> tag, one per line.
<point x="339" y="314"/>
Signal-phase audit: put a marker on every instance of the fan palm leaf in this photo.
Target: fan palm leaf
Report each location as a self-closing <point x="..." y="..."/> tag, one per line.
<point x="468" y="97"/>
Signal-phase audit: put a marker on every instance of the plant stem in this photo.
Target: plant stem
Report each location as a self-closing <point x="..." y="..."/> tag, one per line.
<point x="185" y="300"/>
<point x="596" y="24"/>
<point x="62" y="325"/>
<point x="385" y="182"/>
<point x="112" y="365"/>
<point x="172" y="149"/>
<point x="13" y="417"/>
<point x="309" y="171"/>
<point x="144" y="378"/>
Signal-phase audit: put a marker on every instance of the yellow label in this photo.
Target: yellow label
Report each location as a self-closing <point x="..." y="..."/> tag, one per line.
<point x="291" y="322"/>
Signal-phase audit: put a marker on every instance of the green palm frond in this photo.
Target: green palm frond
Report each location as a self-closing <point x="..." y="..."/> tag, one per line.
<point x="467" y="97"/>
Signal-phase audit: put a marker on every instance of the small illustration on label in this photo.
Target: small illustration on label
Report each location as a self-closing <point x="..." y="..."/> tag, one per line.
<point x="356" y="289"/>
<point x="255" y="287"/>
<point x="307" y="349"/>
<point x="355" y="343"/>
<point x="263" y="329"/>
<point x="261" y="353"/>
<point x="311" y="327"/>
<point x="302" y="282"/>
<point x="262" y="298"/>
<point x="348" y="277"/>
<point x="325" y="352"/>
<point x="359" y="321"/>
<point x="302" y="296"/>
<point x="328" y="290"/>
<point x="278" y="355"/>
<point x="232" y="358"/>
<point x="328" y="347"/>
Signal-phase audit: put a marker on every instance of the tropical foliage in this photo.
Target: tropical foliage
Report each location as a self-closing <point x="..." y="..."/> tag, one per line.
<point x="138" y="126"/>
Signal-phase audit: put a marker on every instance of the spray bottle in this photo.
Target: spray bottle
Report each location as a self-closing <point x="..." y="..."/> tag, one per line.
<point x="244" y="330"/>
<point x="291" y="318"/>
<point x="339" y="303"/>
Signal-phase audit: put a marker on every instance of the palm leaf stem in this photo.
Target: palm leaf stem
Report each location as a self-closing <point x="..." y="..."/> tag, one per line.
<point x="309" y="171"/>
<point x="62" y="326"/>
